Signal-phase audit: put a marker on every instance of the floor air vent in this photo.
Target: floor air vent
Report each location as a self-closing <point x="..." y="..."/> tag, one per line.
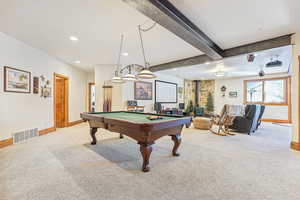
<point x="25" y="135"/>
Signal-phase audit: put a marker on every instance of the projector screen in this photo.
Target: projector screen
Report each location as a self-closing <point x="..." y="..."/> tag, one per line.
<point x="165" y="92"/>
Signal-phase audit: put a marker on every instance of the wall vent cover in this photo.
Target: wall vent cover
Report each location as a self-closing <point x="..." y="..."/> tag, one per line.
<point x="22" y="136"/>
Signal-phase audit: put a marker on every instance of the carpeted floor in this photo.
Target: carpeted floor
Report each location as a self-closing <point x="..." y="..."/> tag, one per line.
<point x="63" y="165"/>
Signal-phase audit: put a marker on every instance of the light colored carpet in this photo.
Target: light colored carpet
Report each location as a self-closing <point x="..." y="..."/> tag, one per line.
<point x="63" y="165"/>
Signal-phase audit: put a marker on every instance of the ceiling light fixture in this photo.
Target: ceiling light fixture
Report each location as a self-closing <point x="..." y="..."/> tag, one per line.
<point x="73" y="38"/>
<point x="145" y="73"/>
<point x="117" y="78"/>
<point x="77" y="62"/>
<point x="125" y="54"/>
<point x="220" y="73"/>
<point x="129" y="76"/>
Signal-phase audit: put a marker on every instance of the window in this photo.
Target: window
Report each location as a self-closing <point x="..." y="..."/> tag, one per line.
<point x="254" y="91"/>
<point x="267" y="91"/>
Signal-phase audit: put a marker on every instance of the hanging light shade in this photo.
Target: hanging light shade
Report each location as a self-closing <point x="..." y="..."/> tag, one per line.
<point x="117" y="78"/>
<point x="129" y="77"/>
<point x="146" y="74"/>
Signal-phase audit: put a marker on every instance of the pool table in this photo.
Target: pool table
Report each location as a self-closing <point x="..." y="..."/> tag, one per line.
<point x="139" y="127"/>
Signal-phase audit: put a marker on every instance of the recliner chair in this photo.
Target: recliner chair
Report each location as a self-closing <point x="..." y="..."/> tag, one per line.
<point x="248" y="122"/>
<point x="262" y="110"/>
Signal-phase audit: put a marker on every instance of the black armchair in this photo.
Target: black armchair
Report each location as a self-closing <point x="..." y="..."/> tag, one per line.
<point x="262" y="110"/>
<point x="248" y="122"/>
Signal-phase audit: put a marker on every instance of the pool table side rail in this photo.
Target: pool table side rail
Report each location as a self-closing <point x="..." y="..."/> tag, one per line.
<point x="140" y="113"/>
<point x="94" y="116"/>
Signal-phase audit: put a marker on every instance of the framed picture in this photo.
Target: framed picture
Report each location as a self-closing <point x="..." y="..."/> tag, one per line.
<point x="143" y="90"/>
<point x="36" y="86"/>
<point x="16" y="80"/>
<point x="46" y="92"/>
<point x="233" y="94"/>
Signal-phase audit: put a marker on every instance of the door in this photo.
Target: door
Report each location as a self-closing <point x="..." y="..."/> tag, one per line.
<point x="60" y="102"/>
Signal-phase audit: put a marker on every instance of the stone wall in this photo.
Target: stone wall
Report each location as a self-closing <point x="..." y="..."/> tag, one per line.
<point x="189" y="92"/>
<point x="205" y="87"/>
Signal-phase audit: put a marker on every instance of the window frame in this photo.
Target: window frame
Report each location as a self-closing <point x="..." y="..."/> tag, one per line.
<point x="287" y="91"/>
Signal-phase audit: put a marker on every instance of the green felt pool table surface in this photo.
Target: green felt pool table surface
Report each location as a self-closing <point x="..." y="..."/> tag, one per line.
<point x="134" y="117"/>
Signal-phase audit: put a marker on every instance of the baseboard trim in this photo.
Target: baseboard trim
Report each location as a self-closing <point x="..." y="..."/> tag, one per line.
<point x="295" y="146"/>
<point x="46" y="131"/>
<point x="9" y="141"/>
<point x="75" y="123"/>
<point x="276" y="121"/>
<point x="6" y="142"/>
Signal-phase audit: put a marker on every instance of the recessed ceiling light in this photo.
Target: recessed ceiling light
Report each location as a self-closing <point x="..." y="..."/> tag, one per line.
<point x="220" y="73"/>
<point x="77" y="61"/>
<point x="125" y="54"/>
<point x="73" y="38"/>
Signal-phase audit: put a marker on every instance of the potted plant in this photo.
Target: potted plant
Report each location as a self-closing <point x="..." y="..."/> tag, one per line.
<point x="189" y="109"/>
<point x="209" y="104"/>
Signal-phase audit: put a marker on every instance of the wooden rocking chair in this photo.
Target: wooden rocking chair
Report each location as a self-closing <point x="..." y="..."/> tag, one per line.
<point x="223" y="121"/>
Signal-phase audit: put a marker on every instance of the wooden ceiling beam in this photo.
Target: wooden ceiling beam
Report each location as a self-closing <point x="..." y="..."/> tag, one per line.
<point x="168" y="16"/>
<point x="236" y="51"/>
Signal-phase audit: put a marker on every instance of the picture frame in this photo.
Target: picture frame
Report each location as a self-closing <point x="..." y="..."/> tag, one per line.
<point x="16" y="80"/>
<point x="143" y="90"/>
<point x="36" y="87"/>
<point x="233" y="94"/>
<point x="46" y="92"/>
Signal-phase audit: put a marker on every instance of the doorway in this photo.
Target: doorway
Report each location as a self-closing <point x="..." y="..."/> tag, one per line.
<point x="61" y="100"/>
<point x="92" y="97"/>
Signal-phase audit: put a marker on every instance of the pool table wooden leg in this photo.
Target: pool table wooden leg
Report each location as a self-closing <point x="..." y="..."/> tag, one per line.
<point x="93" y="131"/>
<point x="187" y="125"/>
<point x="177" y="141"/>
<point x="146" y="150"/>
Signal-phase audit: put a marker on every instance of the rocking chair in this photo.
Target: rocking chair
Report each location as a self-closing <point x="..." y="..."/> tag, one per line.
<point x="223" y="121"/>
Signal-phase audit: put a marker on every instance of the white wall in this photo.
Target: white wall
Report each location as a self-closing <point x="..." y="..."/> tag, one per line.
<point x="295" y="87"/>
<point x="237" y="85"/>
<point x="128" y="92"/>
<point x="103" y="75"/>
<point x="22" y="111"/>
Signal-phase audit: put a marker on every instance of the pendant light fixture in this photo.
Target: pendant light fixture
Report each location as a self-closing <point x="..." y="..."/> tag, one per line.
<point x="117" y="78"/>
<point x="145" y="73"/>
<point x="129" y="76"/>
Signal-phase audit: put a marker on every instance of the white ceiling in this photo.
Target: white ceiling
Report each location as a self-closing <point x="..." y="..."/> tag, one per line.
<point x="236" y="66"/>
<point x="98" y="24"/>
<point x="47" y="25"/>
<point x="231" y="23"/>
